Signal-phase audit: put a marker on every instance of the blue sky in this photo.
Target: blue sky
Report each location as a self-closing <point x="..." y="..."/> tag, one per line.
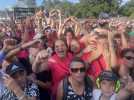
<point x="8" y="3"/>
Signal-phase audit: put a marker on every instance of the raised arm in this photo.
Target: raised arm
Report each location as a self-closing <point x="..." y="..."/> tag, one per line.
<point x="8" y="45"/>
<point x="41" y="56"/>
<point x="113" y="57"/>
<point x="122" y="30"/>
<point x="20" y="47"/>
<point x="60" y="31"/>
<point x="77" y="26"/>
<point x="13" y="86"/>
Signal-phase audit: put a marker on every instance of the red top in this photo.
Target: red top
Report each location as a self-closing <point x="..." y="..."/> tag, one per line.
<point x="23" y="54"/>
<point x="96" y="67"/>
<point x="59" y="68"/>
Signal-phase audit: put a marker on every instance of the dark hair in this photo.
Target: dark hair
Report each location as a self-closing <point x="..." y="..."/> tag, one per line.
<point x="60" y="40"/>
<point x="117" y="36"/>
<point x="14" y="67"/>
<point x="78" y="59"/>
<point x="69" y="30"/>
<point x="124" y="51"/>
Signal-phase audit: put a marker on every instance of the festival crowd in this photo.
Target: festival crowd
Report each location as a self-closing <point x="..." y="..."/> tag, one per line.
<point x="50" y="57"/>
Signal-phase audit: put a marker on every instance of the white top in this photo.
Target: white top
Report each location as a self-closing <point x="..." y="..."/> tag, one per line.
<point x="97" y="94"/>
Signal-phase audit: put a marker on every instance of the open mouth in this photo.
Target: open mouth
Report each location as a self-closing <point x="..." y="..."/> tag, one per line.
<point x="61" y="52"/>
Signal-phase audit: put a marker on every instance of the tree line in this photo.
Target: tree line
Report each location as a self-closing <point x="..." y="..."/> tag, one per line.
<point x="88" y="8"/>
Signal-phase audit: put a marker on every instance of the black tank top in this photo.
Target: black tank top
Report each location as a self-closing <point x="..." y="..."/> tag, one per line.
<point x="71" y="95"/>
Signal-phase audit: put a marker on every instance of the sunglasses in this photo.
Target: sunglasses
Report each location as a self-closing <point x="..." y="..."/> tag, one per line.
<point x="75" y="70"/>
<point x="48" y="31"/>
<point x="129" y="57"/>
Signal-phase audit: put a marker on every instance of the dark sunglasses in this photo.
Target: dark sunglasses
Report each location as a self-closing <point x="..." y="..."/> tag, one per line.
<point x="75" y="70"/>
<point x="129" y="57"/>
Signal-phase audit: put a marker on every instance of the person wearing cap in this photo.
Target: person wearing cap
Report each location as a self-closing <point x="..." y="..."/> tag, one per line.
<point x="106" y="86"/>
<point x="109" y="88"/>
<point x="16" y="84"/>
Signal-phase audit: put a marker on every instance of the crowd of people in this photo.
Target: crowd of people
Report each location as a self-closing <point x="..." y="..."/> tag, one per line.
<point x="48" y="57"/>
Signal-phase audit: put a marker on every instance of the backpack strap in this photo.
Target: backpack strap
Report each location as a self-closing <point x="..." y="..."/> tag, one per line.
<point x="65" y="85"/>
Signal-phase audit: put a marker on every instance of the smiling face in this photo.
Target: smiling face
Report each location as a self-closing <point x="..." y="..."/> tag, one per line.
<point x="77" y="70"/>
<point x="60" y="48"/>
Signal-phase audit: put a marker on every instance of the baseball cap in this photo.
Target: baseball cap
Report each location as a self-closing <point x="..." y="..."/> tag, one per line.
<point x="108" y="75"/>
<point x="14" y="68"/>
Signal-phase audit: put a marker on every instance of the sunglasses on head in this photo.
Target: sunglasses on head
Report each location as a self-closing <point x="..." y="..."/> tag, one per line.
<point x="75" y="70"/>
<point x="129" y="57"/>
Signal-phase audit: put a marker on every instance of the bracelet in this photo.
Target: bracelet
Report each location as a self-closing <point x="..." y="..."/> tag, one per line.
<point x="21" y="98"/>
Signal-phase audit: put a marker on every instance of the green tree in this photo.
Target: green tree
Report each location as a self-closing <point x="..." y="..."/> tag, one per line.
<point x="94" y="7"/>
<point x="128" y="9"/>
<point x="84" y="8"/>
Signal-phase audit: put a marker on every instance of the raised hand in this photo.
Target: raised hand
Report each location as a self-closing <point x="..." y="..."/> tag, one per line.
<point x="36" y="67"/>
<point x="41" y="55"/>
<point x="9" y="44"/>
<point x="122" y="28"/>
